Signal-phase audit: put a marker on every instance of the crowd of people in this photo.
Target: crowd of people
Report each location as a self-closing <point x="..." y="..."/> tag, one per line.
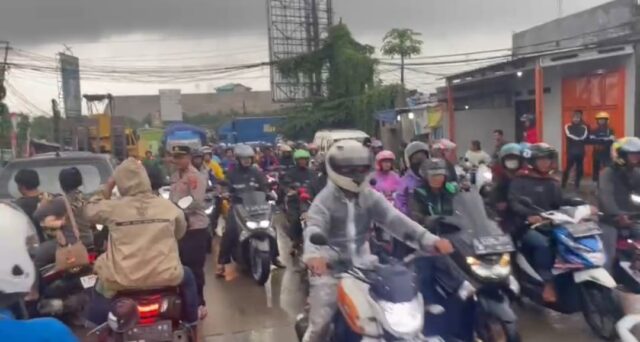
<point x="354" y="187"/>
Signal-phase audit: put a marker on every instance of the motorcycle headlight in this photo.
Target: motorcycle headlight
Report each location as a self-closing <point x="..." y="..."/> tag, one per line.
<point x="404" y="318"/>
<point x="165" y="195"/>
<point x="488" y="176"/>
<point x="264" y="224"/>
<point x="497" y="271"/>
<point x="209" y="210"/>
<point x="99" y="227"/>
<point x="252" y="224"/>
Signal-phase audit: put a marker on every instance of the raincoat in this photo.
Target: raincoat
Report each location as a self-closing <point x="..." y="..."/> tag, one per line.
<point x="346" y="224"/>
<point x="387" y="183"/>
<point x="144" y="230"/>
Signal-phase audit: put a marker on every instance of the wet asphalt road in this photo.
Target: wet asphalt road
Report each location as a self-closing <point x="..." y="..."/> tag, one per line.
<point x="241" y="311"/>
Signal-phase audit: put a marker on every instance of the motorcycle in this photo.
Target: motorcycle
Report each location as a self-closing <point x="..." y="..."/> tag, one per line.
<point x="65" y="293"/>
<point x="626" y="267"/>
<point x="301" y="198"/>
<point x="376" y="303"/>
<point x="581" y="283"/>
<point x="257" y="238"/>
<point x="479" y="176"/>
<point x="146" y="315"/>
<point x="481" y="258"/>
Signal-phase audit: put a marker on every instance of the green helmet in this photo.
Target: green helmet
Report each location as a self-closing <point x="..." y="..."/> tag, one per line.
<point x="511" y="149"/>
<point x="301" y="154"/>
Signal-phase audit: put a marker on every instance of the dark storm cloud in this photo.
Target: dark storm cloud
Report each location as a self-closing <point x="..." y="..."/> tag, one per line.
<point x="39" y="21"/>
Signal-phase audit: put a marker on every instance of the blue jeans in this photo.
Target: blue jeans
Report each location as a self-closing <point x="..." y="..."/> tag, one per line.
<point x="99" y="306"/>
<point x="537" y="247"/>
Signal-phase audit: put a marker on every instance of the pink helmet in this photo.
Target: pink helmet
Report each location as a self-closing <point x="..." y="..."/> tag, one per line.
<point x="384" y="155"/>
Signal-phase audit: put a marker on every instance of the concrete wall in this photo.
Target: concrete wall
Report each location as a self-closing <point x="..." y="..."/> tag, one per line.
<point x="139" y="106"/>
<point x="596" y="24"/>
<point x="479" y="124"/>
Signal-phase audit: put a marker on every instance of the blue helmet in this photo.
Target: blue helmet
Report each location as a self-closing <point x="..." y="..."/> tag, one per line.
<point x="510" y="149"/>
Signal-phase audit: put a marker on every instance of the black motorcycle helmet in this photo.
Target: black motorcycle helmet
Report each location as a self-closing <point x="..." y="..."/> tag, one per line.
<point x="538" y="151"/>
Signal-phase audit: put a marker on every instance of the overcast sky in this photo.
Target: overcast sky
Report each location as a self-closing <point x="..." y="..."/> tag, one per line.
<point x="159" y="32"/>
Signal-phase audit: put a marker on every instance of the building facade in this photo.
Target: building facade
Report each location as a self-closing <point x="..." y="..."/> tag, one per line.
<point x="587" y="61"/>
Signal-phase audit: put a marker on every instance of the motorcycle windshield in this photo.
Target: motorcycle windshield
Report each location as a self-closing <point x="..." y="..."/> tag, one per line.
<point x="475" y="230"/>
<point x="254" y="202"/>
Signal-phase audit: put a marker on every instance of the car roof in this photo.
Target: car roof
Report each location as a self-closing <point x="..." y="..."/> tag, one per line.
<point x="65" y="155"/>
<point x="343" y="133"/>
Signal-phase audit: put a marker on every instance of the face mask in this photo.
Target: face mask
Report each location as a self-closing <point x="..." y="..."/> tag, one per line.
<point x="511" y="164"/>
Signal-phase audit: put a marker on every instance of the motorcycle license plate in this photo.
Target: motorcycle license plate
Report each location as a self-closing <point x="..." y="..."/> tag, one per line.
<point x="159" y="331"/>
<point x="89" y="281"/>
<point x="493" y="244"/>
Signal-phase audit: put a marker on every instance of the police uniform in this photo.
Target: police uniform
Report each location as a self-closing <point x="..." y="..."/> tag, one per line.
<point x="193" y="247"/>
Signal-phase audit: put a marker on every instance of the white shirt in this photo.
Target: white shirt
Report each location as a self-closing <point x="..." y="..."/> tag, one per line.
<point x="477" y="157"/>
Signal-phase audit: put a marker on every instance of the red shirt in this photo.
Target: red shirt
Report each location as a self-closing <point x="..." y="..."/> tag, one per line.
<point x="531" y="136"/>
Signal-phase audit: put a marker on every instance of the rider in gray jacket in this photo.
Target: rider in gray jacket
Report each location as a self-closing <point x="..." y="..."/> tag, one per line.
<point x="344" y="212"/>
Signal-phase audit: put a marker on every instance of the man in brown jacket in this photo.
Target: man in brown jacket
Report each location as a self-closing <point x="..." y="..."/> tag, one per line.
<point x="144" y="230"/>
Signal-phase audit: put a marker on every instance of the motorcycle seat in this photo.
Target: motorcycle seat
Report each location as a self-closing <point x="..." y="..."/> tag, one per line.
<point x="148" y="292"/>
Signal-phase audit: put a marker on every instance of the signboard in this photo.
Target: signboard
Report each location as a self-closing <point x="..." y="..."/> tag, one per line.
<point x="170" y="106"/>
<point x="70" y="73"/>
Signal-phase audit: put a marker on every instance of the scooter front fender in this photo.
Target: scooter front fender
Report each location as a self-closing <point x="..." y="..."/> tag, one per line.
<point x="597" y="275"/>
<point x="499" y="307"/>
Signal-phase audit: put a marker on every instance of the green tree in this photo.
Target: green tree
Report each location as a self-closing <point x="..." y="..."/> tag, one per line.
<point x="403" y="43"/>
<point x="352" y="94"/>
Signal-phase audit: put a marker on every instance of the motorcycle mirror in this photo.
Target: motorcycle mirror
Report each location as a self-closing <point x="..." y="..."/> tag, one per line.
<point x="635" y="198"/>
<point x="185" y="202"/>
<point x="319" y="239"/>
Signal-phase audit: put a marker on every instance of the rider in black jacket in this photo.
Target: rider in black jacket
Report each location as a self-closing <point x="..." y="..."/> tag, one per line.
<point x="536" y="184"/>
<point x="296" y="178"/>
<point x="245" y="177"/>
<point x="618" y="182"/>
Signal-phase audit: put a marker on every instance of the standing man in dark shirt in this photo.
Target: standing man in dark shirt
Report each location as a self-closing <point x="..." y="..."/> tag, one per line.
<point x="28" y="182"/>
<point x="576" y="133"/>
<point x="602" y="138"/>
<point x="498" y="136"/>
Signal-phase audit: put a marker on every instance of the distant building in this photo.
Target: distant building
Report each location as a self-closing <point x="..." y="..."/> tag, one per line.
<point x="229" y="98"/>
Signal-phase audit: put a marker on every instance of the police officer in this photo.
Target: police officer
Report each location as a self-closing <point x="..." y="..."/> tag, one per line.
<point x="188" y="181"/>
<point x="602" y="138"/>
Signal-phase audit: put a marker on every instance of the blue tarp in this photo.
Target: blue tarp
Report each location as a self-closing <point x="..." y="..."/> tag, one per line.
<point x="386" y="116"/>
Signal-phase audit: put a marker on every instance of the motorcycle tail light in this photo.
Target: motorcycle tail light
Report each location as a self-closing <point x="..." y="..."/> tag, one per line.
<point x="149" y="309"/>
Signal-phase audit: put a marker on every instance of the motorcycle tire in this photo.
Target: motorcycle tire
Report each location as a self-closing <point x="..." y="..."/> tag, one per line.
<point x="260" y="266"/>
<point x="601" y="310"/>
<point x="491" y="329"/>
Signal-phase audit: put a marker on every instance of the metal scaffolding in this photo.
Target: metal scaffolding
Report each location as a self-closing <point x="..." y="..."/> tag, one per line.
<point x="297" y="27"/>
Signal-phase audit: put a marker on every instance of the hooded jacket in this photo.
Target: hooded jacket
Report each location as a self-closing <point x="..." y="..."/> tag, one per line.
<point x="408" y="183"/>
<point x="346" y="224"/>
<point x="144" y="230"/>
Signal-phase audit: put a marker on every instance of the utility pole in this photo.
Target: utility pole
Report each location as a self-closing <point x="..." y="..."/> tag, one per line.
<point x="3" y="69"/>
<point x="56" y="121"/>
<point x="560" y="9"/>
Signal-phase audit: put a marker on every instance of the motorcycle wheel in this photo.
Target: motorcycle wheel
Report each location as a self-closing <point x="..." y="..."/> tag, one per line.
<point x="600" y="309"/>
<point x="260" y="264"/>
<point x="491" y="329"/>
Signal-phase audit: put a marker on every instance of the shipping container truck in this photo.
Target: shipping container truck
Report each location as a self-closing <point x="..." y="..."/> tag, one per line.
<point x="250" y="129"/>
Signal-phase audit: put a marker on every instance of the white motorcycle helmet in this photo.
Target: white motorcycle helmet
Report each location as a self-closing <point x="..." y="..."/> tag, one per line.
<point x="348" y="165"/>
<point x="17" y="235"/>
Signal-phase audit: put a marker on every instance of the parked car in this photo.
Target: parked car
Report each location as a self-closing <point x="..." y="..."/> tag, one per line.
<point x="95" y="169"/>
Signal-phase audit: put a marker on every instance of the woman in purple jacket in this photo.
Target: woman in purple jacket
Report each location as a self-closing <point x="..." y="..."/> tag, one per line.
<point x="415" y="153"/>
